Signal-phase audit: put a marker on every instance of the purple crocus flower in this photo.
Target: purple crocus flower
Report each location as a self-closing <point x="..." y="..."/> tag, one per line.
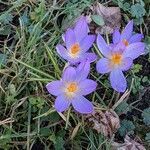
<point x="116" y="60"/>
<point x="72" y="88"/>
<point x="77" y="43"/>
<point x="126" y="36"/>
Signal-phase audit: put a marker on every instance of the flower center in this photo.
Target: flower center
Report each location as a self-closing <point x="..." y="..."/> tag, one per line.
<point x="116" y="59"/>
<point x="75" y="48"/>
<point x="72" y="87"/>
<point x="125" y="42"/>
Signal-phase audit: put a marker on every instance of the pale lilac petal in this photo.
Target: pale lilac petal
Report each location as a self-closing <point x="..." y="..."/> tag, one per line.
<point x="136" y="38"/>
<point x="127" y="32"/>
<point x="87" y="42"/>
<point x="116" y="36"/>
<point x="103" y="66"/>
<point x="120" y="47"/>
<point x="63" y="37"/>
<point x="102" y="46"/>
<point x="134" y="50"/>
<point x="82" y="105"/>
<point x="83" y="70"/>
<point x="61" y="103"/>
<point x="70" y="38"/>
<point x="54" y="87"/>
<point x="87" y="86"/>
<point x="126" y="64"/>
<point x="62" y="51"/>
<point x="117" y="80"/>
<point x="69" y="74"/>
<point x="91" y="57"/>
<point x="81" y="29"/>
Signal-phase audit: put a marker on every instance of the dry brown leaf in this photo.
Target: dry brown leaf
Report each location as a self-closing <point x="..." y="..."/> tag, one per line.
<point x="106" y="122"/>
<point x="129" y="144"/>
<point x="6" y="121"/>
<point x="111" y="16"/>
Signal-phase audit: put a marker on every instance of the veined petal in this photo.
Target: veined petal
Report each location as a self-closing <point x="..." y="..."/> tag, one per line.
<point x="120" y="47"/>
<point x="54" y="87"/>
<point x="134" y="50"/>
<point x="81" y="33"/>
<point x="136" y="38"/>
<point x="62" y="51"/>
<point x="70" y="38"/>
<point x="69" y="74"/>
<point x="127" y="32"/>
<point x="83" y="70"/>
<point x="126" y="64"/>
<point x="61" y="103"/>
<point x="116" y="36"/>
<point x="103" y="66"/>
<point x="82" y="105"/>
<point x="87" y="42"/>
<point x="91" y="57"/>
<point x="102" y="46"/>
<point x="117" y="80"/>
<point x="87" y="86"/>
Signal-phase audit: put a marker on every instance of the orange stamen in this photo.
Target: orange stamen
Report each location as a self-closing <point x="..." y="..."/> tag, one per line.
<point x="72" y="87"/>
<point x="116" y="59"/>
<point x="126" y="43"/>
<point x="75" y="49"/>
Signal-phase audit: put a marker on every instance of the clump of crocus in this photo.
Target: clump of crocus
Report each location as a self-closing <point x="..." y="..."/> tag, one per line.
<point x="72" y="88"/>
<point x="126" y="37"/>
<point x="77" y="43"/>
<point x="117" y="59"/>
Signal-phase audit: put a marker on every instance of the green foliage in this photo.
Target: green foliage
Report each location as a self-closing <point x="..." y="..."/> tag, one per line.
<point x="139" y="83"/>
<point x="2" y="59"/>
<point x="126" y="127"/>
<point x="37" y="102"/>
<point x="146" y="116"/>
<point x="98" y="20"/>
<point x="147" y="138"/>
<point x="136" y="68"/>
<point x="122" y="108"/>
<point x="138" y="10"/>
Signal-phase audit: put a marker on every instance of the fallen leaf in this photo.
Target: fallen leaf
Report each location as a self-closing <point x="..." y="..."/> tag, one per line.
<point x="110" y="15"/>
<point x="129" y="144"/>
<point x="105" y="122"/>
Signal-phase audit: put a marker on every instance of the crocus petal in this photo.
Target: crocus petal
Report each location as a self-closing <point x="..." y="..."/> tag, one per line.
<point x="136" y="38"/>
<point x="63" y="37"/>
<point x="62" y="51"/>
<point x="87" y="86"/>
<point x="127" y="32"/>
<point x="120" y="47"/>
<point x="81" y="33"/>
<point x="61" y="103"/>
<point x="82" y="105"/>
<point x="134" y="50"/>
<point x="69" y="74"/>
<point x="103" y="66"/>
<point x="87" y="42"/>
<point x="70" y="38"/>
<point x="126" y="64"/>
<point x="54" y="87"/>
<point x="116" y="36"/>
<point x="102" y="46"/>
<point x="91" y="57"/>
<point x="117" y="80"/>
<point x="83" y="70"/>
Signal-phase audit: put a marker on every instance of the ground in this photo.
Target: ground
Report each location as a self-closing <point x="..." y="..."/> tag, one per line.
<point x="29" y="33"/>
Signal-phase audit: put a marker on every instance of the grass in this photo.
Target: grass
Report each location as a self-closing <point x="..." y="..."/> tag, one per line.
<point x="33" y="30"/>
